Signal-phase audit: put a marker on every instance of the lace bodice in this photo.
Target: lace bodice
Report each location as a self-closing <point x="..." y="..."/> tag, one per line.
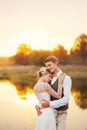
<point x="40" y="92"/>
<point x="40" y="87"/>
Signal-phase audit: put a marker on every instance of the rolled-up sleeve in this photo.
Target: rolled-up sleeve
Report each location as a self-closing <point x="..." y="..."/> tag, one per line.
<point x="67" y="83"/>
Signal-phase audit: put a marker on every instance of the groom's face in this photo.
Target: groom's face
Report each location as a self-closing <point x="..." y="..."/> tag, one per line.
<point x="51" y="66"/>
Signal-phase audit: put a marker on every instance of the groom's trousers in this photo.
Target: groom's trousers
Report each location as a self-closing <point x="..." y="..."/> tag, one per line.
<point x="60" y="119"/>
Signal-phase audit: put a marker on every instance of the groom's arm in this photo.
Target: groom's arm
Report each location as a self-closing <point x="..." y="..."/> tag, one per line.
<point x="65" y="99"/>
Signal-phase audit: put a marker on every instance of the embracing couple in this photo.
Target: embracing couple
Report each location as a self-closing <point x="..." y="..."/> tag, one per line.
<point x="53" y="92"/>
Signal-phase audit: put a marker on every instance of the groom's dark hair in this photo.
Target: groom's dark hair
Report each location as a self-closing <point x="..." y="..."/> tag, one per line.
<point x="52" y="59"/>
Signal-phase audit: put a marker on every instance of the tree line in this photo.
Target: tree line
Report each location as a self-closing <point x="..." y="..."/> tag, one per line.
<point x="77" y="54"/>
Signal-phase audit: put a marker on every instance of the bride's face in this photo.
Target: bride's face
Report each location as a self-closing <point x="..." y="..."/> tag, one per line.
<point x="47" y="77"/>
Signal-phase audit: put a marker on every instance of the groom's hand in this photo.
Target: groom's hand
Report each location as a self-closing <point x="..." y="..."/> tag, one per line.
<point x="38" y="109"/>
<point x="45" y="103"/>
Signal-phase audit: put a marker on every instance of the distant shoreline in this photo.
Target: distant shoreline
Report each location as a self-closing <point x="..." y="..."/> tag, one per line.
<point x="75" y="71"/>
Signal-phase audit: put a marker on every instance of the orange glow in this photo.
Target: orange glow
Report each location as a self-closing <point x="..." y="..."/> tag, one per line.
<point x="37" y="39"/>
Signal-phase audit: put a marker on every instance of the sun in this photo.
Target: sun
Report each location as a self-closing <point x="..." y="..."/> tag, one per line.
<point x="36" y="38"/>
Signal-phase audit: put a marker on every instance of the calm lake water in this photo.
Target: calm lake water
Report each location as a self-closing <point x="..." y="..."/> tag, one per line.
<point x="17" y="107"/>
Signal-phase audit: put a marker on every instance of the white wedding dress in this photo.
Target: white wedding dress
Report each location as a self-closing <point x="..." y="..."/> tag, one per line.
<point x="45" y="121"/>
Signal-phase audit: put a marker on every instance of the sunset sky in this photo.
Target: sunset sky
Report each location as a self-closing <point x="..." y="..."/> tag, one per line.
<point x="40" y="23"/>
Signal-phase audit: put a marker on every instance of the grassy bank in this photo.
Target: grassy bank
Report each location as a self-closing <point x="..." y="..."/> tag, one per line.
<point x="75" y="71"/>
<point x="26" y="74"/>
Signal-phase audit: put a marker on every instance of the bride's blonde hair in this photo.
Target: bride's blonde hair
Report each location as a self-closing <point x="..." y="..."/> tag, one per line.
<point x="42" y="71"/>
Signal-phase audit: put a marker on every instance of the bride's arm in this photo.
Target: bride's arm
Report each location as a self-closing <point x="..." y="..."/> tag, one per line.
<point x="60" y="81"/>
<point x="52" y="92"/>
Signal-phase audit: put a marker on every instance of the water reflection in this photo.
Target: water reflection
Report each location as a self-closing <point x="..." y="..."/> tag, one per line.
<point x="16" y="92"/>
<point x="16" y="113"/>
<point x="24" y="91"/>
<point x="79" y="92"/>
<point x="7" y="91"/>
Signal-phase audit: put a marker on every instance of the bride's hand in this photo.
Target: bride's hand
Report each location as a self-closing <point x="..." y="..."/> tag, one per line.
<point x="61" y="78"/>
<point x="38" y="109"/>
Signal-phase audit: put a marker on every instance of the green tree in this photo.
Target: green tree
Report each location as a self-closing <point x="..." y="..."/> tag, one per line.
<point x="79" y="50"/>
<point x="60" y="52"/>
<point x="22" y="54"/>
<point x="37" y="57"/>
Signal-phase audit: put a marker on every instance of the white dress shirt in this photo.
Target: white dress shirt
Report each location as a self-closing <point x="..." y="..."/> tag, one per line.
<point x="67" y="83"/>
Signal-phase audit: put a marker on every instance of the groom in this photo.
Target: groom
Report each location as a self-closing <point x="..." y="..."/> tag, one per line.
<point x="60" y="105"/>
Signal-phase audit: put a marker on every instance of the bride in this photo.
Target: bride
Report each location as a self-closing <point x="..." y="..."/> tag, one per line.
<point x="46" y="119"/>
